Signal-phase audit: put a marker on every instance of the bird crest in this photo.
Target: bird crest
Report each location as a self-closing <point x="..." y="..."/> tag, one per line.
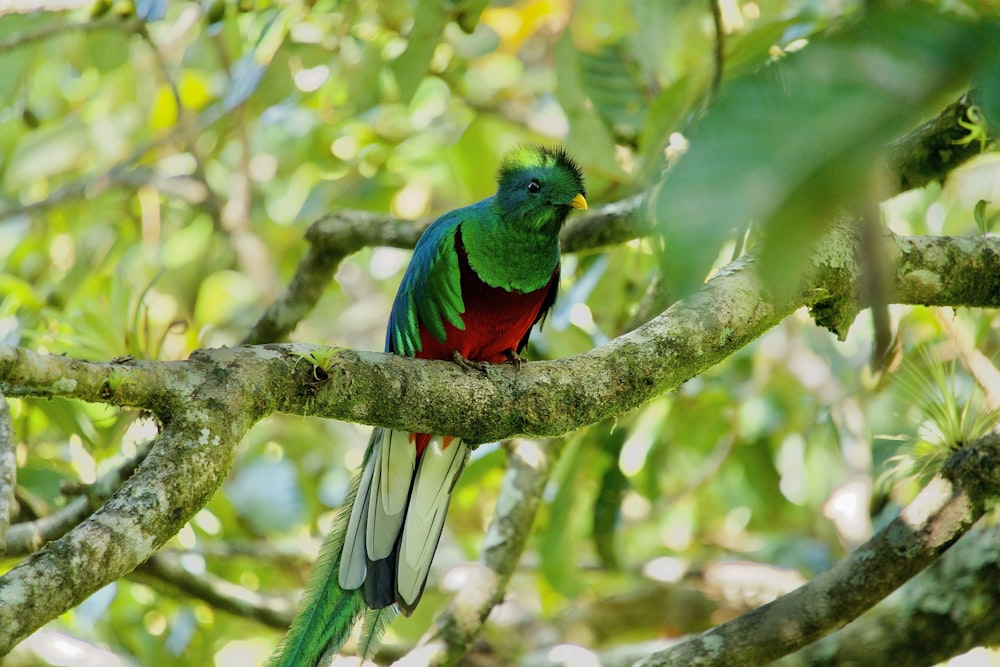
<point x="534" y="156"/>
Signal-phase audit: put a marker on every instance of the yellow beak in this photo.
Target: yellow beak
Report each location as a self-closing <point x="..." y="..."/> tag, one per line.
<point x="579" y="202"/>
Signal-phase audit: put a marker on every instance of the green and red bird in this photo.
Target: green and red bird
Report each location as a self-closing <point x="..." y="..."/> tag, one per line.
<point x="480" y="277"/>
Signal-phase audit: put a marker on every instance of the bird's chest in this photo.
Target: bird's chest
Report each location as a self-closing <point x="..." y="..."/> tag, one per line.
<point x="495" y="320"/>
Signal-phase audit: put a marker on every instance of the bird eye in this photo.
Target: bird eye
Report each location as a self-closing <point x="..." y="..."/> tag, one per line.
<point x="534" y="186"/>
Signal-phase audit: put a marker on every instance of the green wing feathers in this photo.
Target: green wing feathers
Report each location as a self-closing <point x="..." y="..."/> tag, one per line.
<point x="431" y="291"/>
<point x="440" y="299"/>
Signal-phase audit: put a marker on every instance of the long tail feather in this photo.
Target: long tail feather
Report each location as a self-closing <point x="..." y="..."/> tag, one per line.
<point x="374" y="625"/>
<point x="327" y="613"/>
<point x="439" y="469"/>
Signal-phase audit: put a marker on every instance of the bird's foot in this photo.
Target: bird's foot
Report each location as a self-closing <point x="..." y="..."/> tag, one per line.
<point x="514" y="358"/>
<point x="470" y="365"/>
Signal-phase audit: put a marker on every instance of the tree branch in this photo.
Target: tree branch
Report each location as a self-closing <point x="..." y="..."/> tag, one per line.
<point x="933" y="150"/>
<point x="8" y="471"/>
<point x="207" y="403"/>
<point x="943" y="511"/>
<point x="184" y="468"/>
<point x="28" y="37"/>
<point x="545" y="398"/>
<point x="166" y="567"/>
<point x="947" y="609"/>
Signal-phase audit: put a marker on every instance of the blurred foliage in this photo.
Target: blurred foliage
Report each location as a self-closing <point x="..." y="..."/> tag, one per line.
<point x="156" y="180"/>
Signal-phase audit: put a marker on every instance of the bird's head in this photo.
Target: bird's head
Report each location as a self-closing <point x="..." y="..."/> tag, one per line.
<point x="538" y="186"/>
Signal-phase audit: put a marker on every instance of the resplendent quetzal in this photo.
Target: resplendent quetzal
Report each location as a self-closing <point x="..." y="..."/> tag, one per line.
<point x="480" y="277"/>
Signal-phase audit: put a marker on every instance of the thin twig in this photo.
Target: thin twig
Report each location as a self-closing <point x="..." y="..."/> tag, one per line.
<point x="168" y="567"/>
<point x="30" y="536"/>
<point x="28" y="37"/>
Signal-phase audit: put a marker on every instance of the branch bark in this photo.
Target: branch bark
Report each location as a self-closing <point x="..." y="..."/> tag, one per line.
<point x="207" y="403"/>
<point x="186" y="464"/>
<point x="946" y="610"/>
<point x="8" y="471"/>
<point x="943" y="511"/>
<point x="30" y="536"/>
<point x="930" y="152"/>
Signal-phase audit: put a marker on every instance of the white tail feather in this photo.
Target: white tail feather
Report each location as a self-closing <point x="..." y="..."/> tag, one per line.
<point x="393" y="474"/>
<point x="399" y="458"/>
<point x="412" y="570"/>
<point x="352" y="558"/>
<point x="427" y="508"/>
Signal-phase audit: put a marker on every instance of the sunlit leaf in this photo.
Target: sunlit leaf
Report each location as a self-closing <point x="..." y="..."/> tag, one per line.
<point x="429" y="21"/>
<point x="163" y="113"/>
<point x="46" y="152"/>
<point x="607" y="505"/>
<point x="793" y="145"/>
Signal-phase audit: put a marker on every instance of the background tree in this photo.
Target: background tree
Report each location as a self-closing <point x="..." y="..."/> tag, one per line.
<point x="180" y="178"/>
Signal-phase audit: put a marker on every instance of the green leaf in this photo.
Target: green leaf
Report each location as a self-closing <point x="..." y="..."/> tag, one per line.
<point x="796" y="144"/>
<point x="46" y="152"/>
<point x="14" y="61"/>
<point x="410" y="67"/>
<point x="107" y="49"/>
<point x="590" y="139"/>
<point x="610" y="80"/>
<point x="987" y="93"/>
<point x="607" y="504"/>
<point x="559" y="538"/>
<point x="979" y="213"/>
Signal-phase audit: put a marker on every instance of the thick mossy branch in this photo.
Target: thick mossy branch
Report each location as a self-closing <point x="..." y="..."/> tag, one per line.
<point x="545" y="398"/>
<point x="186" y="464"/>
<point x="30" y="536"/>
<point x="8" y="471"/>
<point x="179" y="476"/>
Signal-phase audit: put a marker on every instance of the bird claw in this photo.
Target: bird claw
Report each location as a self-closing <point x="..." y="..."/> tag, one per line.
<point x="470" y="365"/>
<point x="484" y="366"/>
<point x="514" y="358"/>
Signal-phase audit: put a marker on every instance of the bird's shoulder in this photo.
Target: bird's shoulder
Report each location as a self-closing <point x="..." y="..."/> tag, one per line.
<point x="438" y="239"/>
<point x="430" y="291"/>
